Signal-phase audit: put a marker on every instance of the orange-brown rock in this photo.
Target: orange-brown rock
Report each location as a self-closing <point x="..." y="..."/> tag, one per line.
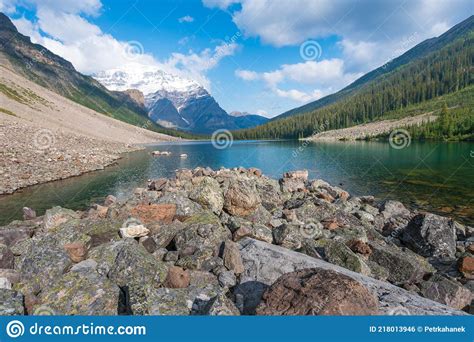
<point x="77" y="251"/>
<point x="177" y="278"/>
<point x="466" y="267"/>
<point x="360" y="247"/>
<point x="150" y="213"/>
<point x="317" y="291"/>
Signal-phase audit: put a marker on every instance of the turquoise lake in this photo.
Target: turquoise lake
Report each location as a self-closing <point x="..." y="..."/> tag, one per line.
<point x="437" y="177"/>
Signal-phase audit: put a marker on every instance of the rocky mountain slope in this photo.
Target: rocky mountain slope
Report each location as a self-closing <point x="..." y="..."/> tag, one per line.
<point x="37" y="64"/>
<point x="233" y="242"/>
<point x="44" y="136"/>
<point x="432" y="69"/>
<point x="173" y="101"/>
<point x="417" y="52"/>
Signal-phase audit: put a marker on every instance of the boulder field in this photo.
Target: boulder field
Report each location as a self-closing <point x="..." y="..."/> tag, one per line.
<point x="235" y="242"/>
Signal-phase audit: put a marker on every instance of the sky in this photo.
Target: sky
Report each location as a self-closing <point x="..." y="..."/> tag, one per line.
<point x="258" y="56"/>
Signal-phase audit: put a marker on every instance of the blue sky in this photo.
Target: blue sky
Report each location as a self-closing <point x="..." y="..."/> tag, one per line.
<point x="258" y="56"/>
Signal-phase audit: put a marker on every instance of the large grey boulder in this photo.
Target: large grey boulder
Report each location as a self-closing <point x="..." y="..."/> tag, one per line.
<point x="208" y="194"/>
<point x="431" y="235"/>
<point x="265" y="263"/>
<point x="81" y="293"/>
<point x="241" y="197"/>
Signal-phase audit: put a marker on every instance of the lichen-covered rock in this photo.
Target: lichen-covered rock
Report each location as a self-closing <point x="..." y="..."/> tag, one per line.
<point x="6" y="257"/>
<point x="446" y="291"/>
<point x="137" y="270"/>
<point x="288" y="236"/>
<point x="44" y="262"/>
<point x="164" y="234"/>
<point x="57" y="216"/>
<point x="270" y="193"/>
<point x="208" y="194"/>
<point x="232" y="258"/>
<point x="254" y="231"/>
<point x="338" y="253"/>
<point x="16" y="231"/>
<point x="222" y="306"/>
<point x="317" y="291"/>
<point x="404" y="266"/>
<point x="431" y="235"/>
<point x="241" y="197"/>
<point x="11" y="303"/>
<point x="185" y="207"/>
<point x="392" y="208"/>
<point x="181" y="302"/>
<point x="81" y="293"/>
<point x="201" y="231"/>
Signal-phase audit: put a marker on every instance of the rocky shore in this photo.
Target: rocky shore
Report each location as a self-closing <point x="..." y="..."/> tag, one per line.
<point x="232" y="242"/>
<point x="23" y="164"/>
<point x="373" y="129"/>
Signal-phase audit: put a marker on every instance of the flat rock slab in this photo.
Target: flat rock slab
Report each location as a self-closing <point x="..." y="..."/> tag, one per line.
<point x="265" y="263"/>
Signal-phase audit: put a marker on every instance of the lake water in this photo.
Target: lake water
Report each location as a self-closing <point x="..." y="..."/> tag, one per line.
<point x="437" y="177"/>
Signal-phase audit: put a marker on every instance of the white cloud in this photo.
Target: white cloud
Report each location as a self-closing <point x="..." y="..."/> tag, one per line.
<point x="262" y="112"/>
<point x="186" y="19"/>
<point x="300" y="96"/>
<point x="324" y="76"/>
<point x="222" y="4"/>
<point x="195" y="65"/>
<point x="371" y="30"/>
<point x="247" y="75"/>
<point x="60" y="27"/>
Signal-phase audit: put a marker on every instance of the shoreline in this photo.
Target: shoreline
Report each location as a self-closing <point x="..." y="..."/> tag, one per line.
<point x="217" y="234"/>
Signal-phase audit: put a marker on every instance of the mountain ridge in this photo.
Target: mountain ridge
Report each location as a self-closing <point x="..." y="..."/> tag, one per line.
<point x="418" y="51"/>
<point x="443" y="66"/>
<point x="173" y="101"/>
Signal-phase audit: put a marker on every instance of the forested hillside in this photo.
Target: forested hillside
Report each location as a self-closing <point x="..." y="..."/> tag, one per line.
<point x="447" y="70"/>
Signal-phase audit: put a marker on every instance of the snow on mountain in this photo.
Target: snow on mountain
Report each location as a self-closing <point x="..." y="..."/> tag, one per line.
<point x="172" y="101"/>
<point x="148" y="79"/>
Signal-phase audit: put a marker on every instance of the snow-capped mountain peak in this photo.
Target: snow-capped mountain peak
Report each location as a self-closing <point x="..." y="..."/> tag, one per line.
<point x="148" y="79"/>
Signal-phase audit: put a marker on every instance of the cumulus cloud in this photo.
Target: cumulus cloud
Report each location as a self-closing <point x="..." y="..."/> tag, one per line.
<point x="61" y="27"/>
<point x="195" y="65"/>
<point x="324" y="76"/>
<point x="186" y="19"/>
<point x="370" y="29"/>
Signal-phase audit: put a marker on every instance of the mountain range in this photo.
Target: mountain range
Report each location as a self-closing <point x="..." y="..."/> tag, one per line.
<point x="135" y="94"/>
<point x="173" y="101"/>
